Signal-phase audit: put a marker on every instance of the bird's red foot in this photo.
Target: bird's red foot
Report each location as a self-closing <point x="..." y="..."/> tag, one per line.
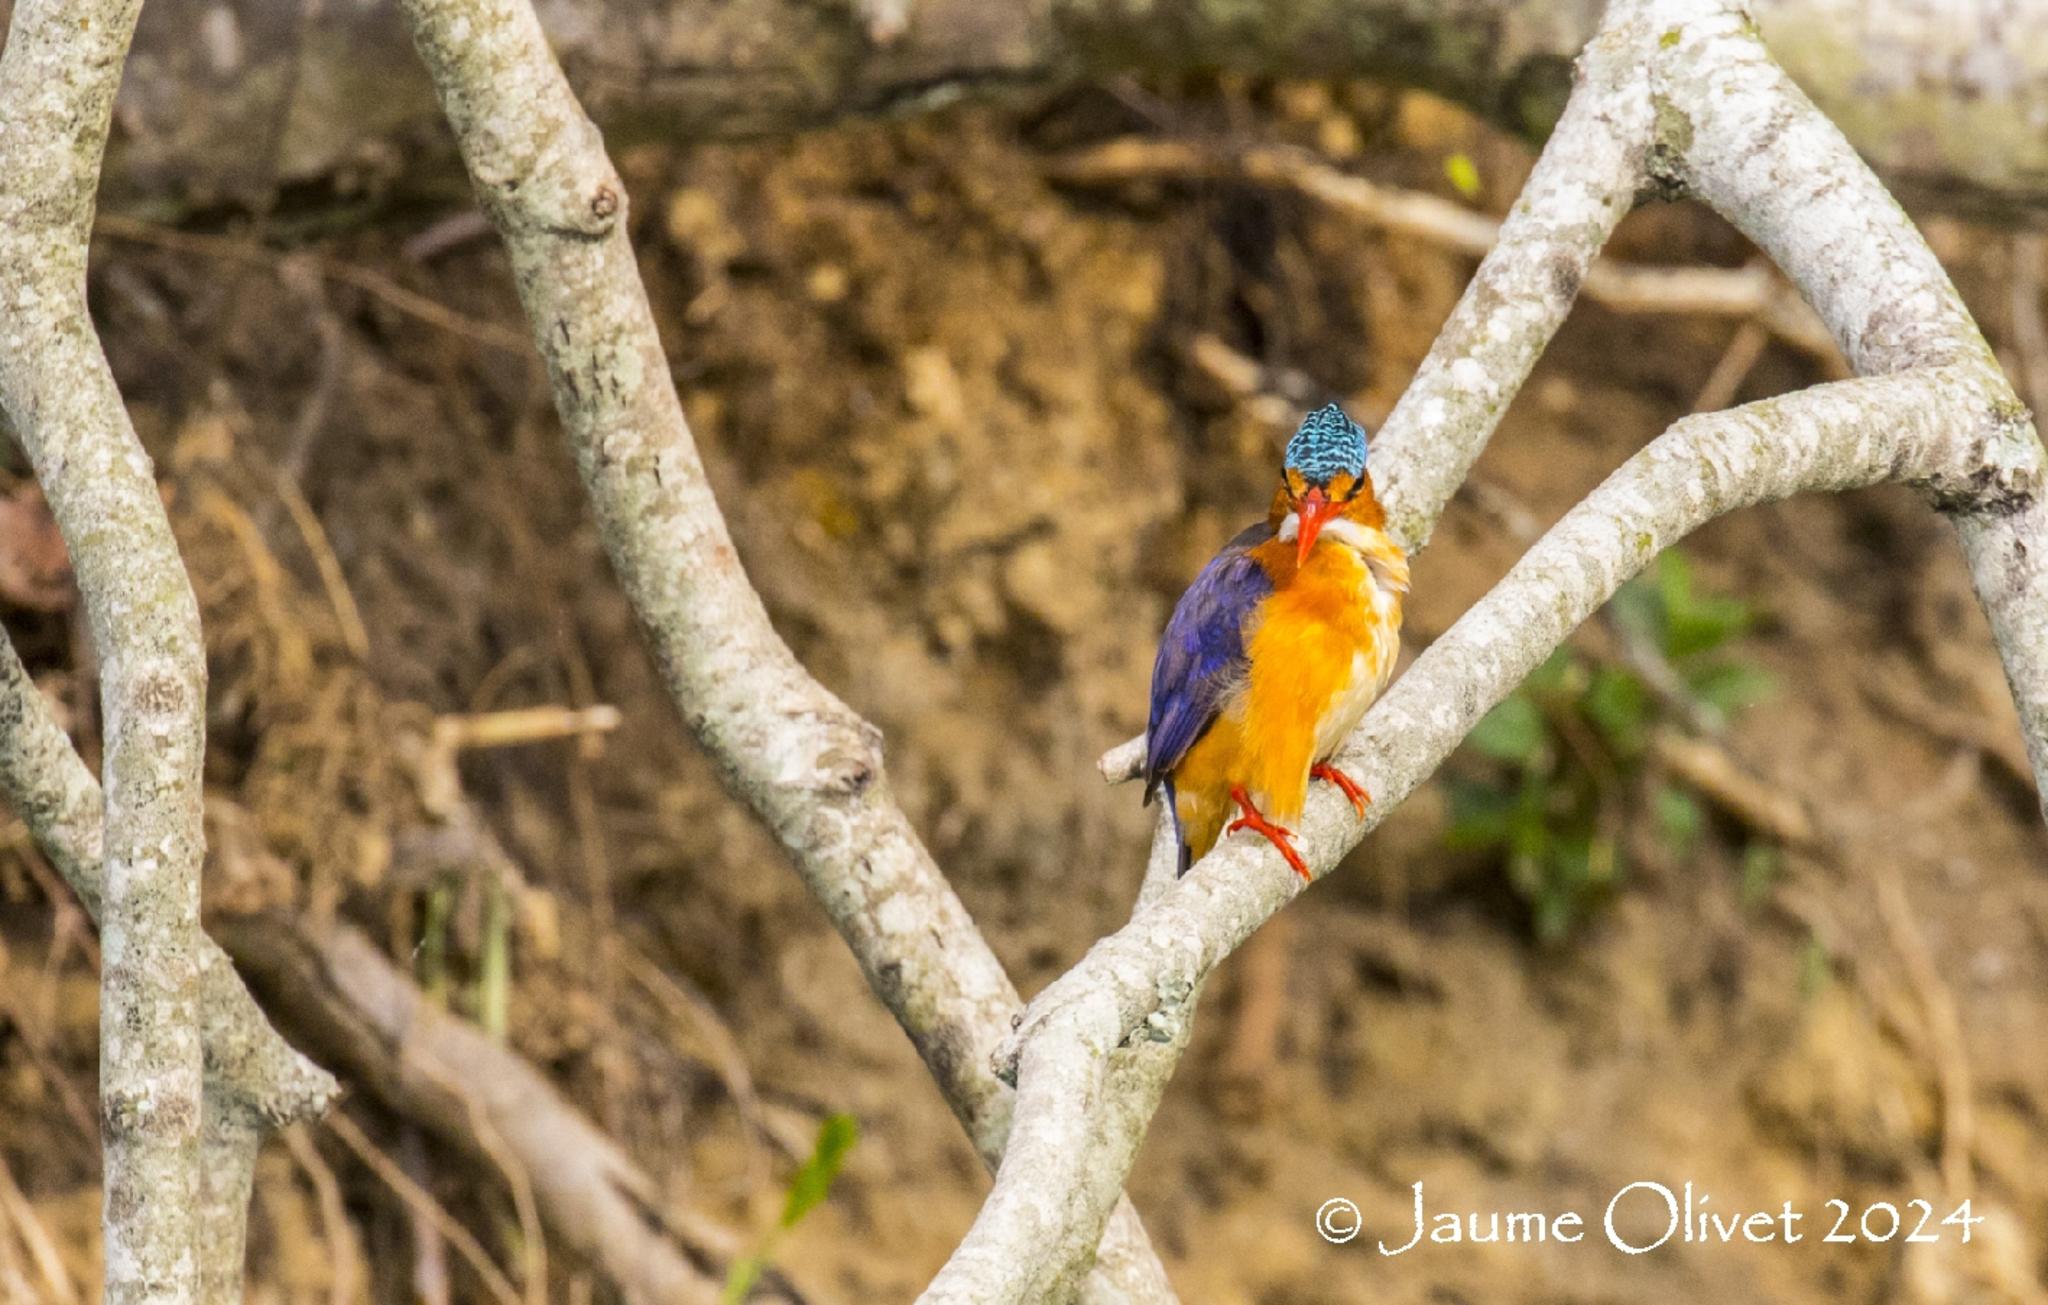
<point x="1279" y="836"/>
<point x="1350" y="787"/>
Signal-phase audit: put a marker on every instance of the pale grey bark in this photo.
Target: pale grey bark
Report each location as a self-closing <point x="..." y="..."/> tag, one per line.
<point x="808" y="766"/>
<point x="1677" y="97"/>
<point x="57" y="80"/>
<point x="58" y="77"/>
<point x="1948" y="98"/>
<point x="255" y="1082"/>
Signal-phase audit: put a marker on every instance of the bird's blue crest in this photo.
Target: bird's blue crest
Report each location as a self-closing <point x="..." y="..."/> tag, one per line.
<point x="1327" y="443"/>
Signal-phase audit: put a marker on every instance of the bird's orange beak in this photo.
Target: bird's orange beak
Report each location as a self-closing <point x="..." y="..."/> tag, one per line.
<point x="1315" y="509"/>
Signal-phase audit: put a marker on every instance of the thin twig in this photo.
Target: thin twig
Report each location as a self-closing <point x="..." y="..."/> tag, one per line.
<point x="1707" y="766"/>
<point x="1737" y="361"/>
<point x="809" y="767"/>
<point x="1753" y="293"/>
<point x="370" y="281"/>
<point x="692" y="1012"/>
<point x="354" y="635"/>
<point x="422" y="1203"/>
<point x="343" y="1256"/>
<point x="522" y="725"/>
<point x="1944" y="1032"/>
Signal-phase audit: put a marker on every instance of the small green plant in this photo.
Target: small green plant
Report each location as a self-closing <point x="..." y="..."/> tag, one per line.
<point x="1558" y="771"/>
<point x="808" y="1188"/>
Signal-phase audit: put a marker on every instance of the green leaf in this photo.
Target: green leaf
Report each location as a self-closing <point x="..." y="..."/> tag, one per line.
<point x="494" y="968"/>
<point x="1553" y="917"/>
<point x="1705" y="626"/>
<point x="808" y="1189"/>
<point x="1619" y="704"/>
<point x="1463" y="174"/>
<point x="1729" y="687"/>
<point x="1638" y="611"/>
<point x="1557" y="676"/>
<point x="1674" y="580"/>
<point x="740" y="1279"/>
<point x="1481" y="816"/>
<point x="1513" y="731"/>
<point x="1603" y="862"/>
<point x="1694" y="623"/>
<point x="812" y="1183"/>
<point x="1679" y="819"/>
<point x="1528" y="823"/>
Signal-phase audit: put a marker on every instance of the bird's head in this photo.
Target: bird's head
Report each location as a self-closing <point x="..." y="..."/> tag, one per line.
<point x="1323" y="472"/>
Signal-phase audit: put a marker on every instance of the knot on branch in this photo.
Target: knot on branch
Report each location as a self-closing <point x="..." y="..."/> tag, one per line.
<point x="1998" y="470"/>
<point x="1086" y="1006"/>
<point x="838" y="756"/>
<point x="570" y="189"/>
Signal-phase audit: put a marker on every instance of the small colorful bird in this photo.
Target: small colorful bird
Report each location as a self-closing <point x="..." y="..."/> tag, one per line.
<point x="1276" y="650"/>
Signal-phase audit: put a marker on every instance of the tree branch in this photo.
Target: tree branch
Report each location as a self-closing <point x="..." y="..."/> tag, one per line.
<point x="807" y="765"/>
<point x="168" y="1236"/>
<point x="255" y="1082"/>
<point x="1681" y="97"/>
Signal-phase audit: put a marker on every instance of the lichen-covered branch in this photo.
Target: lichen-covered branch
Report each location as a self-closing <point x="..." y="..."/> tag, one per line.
<point x="808" y="766"/>
<point x="255" y="1082"/>
<point x="1939" y="428"/>
<point x="58" y="77"/>
<point x="1745" y="140"/>
<point x="1688" y="102"/>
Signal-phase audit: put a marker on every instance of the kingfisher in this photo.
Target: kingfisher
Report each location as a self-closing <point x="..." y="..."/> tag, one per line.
<point x="1277" y="649"/>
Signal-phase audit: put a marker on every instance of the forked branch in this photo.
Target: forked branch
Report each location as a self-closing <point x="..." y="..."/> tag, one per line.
<point x="1676" y="97"/>
<point x="164" y="991"/>
<point x="807" y="764"/>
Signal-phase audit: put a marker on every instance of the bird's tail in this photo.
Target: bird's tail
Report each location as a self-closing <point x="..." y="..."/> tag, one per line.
<point x="1180" y="835"/>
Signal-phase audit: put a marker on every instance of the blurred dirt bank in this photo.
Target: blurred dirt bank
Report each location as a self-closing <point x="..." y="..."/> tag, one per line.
<point x="973" y="431"/>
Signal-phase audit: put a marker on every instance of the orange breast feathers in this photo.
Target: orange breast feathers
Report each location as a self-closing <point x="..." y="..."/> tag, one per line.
<point x="1323" y="647"/>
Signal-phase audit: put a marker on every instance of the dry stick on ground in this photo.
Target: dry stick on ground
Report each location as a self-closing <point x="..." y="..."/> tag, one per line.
<point x="1675" y="96"/>
<point x="810" y="767"/>
<point x="168" y="1237"/>
<point x="358" y="1011"/>
<point x="1752" y="293"/>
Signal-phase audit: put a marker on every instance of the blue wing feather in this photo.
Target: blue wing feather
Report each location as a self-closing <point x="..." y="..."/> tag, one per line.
<point x="1201" y="657"/>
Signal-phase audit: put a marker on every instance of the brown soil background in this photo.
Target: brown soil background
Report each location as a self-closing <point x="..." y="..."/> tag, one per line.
<point x="950" y="411"/>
